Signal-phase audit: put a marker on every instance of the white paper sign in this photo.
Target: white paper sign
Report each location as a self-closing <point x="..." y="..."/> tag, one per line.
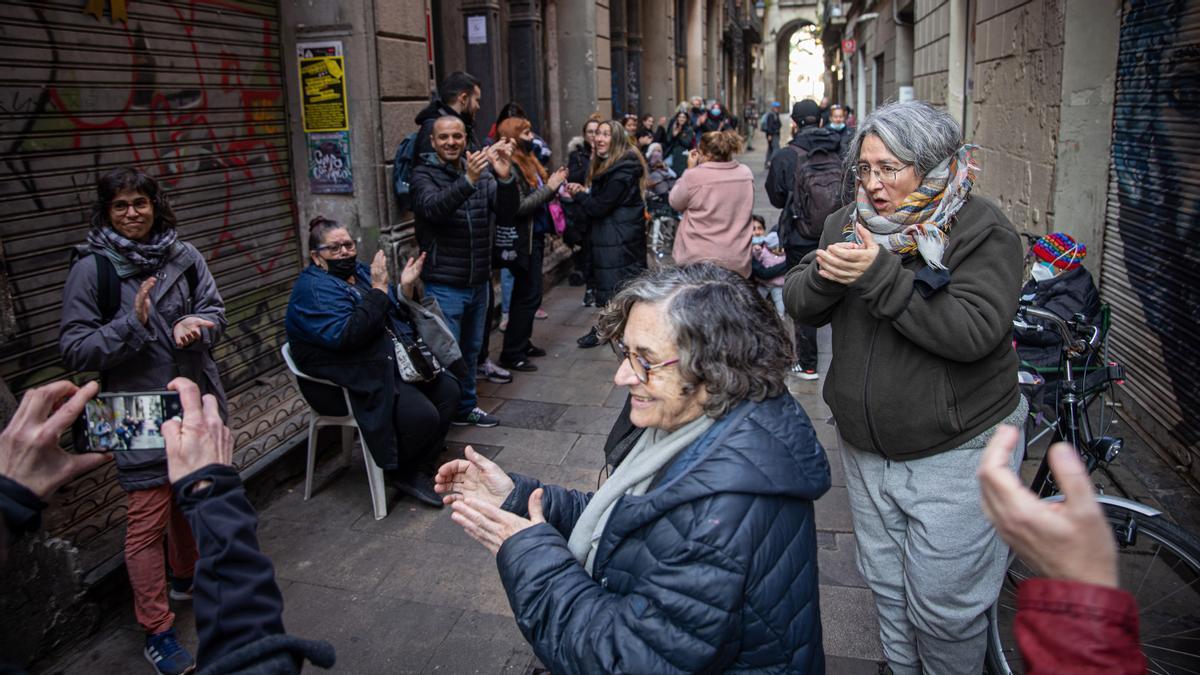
<point x="476" y="30"/>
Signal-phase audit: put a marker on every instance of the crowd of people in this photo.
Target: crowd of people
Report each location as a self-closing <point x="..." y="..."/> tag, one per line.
<point x="698" y="552"/>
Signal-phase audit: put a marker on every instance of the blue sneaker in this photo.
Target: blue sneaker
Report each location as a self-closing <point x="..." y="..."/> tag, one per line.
<point x="168" y="657"/>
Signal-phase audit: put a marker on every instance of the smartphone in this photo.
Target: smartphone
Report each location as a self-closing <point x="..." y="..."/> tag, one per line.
<point x="123" y="421"/>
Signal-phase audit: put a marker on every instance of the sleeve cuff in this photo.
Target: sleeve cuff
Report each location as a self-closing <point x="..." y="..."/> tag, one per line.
<point x="22" y="509"/>
<point x="221" y="477"/>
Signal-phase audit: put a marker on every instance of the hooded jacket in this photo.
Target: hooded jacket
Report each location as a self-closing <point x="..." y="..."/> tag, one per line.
<point x="712" y="570"/>
<point x="918" y="371"/>
<point x="1067" y="294"/>
<point x="455" y="219"/>
<point x="616" y="216"/>
<point x="133" y="357"/>
<point x="781" y="178"/>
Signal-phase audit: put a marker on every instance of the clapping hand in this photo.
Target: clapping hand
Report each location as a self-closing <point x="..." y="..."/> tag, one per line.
<point x="141" y="301"/>
<point x="476" y="163"/>
<point x="557" y="178"/>
<point x="492" y="526"/>
<point x="379" y="271"/>
<point x="410" y="274"/>
<point x="694" y="159"/>
<point x="575" y="188"/>
<point x="188" y="330"/>
<point x="476" y="476"/>
<point x="1068" y="540"/>
<point x="500" y="156"/>
<point x="845" y="262"/>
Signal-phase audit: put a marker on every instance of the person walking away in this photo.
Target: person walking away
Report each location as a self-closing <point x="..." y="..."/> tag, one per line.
<point x="531" y="222"/>
<point x="771" y="128"/>
<point x="456" y="201"/>
<point x="141" y="307"/>
<point x="768" y="262"/>
<point x="716" y="198"/>
<point x="919" y="279"/>
<point x="804" y="182"/>
<point x="458" y="96"/>
<point x="616" y="210"/>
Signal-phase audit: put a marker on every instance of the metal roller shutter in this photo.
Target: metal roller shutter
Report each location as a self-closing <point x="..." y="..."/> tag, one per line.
<point x="191" y="93"/>
<point x="1151" y="267"/>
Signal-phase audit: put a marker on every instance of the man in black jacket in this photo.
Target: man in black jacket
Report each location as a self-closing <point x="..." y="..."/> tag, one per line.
<point x="456" y="201"/>
<point x="772" y="128"/>
<point x="238" y="606"/>
<point x="807" y="137"/>
<point x="458" y="96"/>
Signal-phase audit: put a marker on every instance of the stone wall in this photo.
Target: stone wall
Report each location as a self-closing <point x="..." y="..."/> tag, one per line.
<point x="931" y="51"/>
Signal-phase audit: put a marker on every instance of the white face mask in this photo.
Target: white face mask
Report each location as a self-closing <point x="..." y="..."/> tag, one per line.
<point x="1042" y="272"/>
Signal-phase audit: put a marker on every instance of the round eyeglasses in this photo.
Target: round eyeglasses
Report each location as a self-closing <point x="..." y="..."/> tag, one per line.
<point x="886" y="174"/>
<point x="641" y="368"/>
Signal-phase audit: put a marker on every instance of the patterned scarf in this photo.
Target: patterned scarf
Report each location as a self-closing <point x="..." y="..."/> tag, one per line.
<point x="921" y="222"/>
<point x="133" y="257"/>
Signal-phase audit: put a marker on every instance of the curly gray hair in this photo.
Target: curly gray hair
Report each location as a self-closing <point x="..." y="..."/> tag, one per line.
<point x="729" y="338"/>
<point x="914" y="131"/>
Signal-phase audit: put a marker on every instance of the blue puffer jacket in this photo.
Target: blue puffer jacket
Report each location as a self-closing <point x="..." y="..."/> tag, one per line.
<point x="713" y="570"/>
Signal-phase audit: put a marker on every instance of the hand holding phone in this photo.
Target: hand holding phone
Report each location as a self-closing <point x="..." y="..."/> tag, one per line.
<point x="123" y="421"/>
<point x="29" y="450"/>
<point x="201" y="438"/>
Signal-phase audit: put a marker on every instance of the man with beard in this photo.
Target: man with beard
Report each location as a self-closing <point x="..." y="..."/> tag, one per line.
<point x="458" y="96"/>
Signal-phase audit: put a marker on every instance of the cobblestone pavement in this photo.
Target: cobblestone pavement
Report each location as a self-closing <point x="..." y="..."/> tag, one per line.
<point x="412" y="593"/>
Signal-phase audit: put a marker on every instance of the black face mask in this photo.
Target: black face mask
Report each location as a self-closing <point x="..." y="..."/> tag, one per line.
<point x="697" y="111"/>
<point x="525" y="145"/>
<point x="343" y="268"/>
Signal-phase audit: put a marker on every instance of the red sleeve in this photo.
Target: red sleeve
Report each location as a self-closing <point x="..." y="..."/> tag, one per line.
<point x="1070" y="627"/>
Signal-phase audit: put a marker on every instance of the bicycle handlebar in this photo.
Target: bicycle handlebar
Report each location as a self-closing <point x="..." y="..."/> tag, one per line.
<point x="1077" y="338"/>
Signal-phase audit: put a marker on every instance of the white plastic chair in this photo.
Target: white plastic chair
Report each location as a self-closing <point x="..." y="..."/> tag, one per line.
<point x="374" y="474"/>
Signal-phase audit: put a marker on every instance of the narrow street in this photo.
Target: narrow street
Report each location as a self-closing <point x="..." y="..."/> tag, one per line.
<point x="412" y="593"/>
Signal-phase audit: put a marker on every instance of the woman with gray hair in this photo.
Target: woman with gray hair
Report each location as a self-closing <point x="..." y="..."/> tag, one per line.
<point x="698" y="554"/>
<point x="919" y="279"/>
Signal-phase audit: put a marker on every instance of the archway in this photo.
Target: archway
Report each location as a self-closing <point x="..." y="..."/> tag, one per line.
<point x="799" y="63"/>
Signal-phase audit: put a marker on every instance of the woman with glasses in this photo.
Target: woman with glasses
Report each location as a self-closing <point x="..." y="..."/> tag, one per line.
<point x="141" y="308"/>
<point x="348" y="324"/>
<point x="698" y="553"/>
<point x="919" y="278"/>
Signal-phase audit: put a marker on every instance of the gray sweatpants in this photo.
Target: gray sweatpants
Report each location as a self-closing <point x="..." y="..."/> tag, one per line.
<point x="933" y="561"/>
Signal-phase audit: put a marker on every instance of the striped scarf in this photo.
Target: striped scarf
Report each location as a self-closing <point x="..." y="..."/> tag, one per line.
<point x="921" y="222"/>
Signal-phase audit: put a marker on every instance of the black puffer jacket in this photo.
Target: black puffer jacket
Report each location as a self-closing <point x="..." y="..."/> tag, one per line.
<point x="616" y="216"/>
<point x="1066" y="295"/>
<point x="713" y="570"/>
<point x="455" y="218"/>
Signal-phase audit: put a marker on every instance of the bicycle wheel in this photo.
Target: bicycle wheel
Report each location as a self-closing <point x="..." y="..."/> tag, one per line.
<point x="1160" y="566"/>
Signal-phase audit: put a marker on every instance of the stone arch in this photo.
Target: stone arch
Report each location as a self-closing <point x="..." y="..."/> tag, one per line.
<point x="783" y="41"/>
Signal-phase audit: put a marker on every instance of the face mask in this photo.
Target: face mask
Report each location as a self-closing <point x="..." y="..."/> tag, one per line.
<point x="837" y="127"/>
<point x="525" y="145"/>
<point x="758" y="241"/>
<point x="696" y="110"/>
<point x="715" y="112"/>
<point x="343" y="268"/>
<point x="1042" y="272"/>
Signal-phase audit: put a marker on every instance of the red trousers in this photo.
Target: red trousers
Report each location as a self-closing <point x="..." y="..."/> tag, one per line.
<point x="152" y="515"/>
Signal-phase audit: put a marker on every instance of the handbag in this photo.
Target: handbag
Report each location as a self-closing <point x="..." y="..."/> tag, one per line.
<point x="558" y="216"/>
<point x="414" y="363"/>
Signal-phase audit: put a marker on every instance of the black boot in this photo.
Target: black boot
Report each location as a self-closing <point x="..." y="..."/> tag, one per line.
<point x="592" y="339"/>
<point x="418" y="484"/>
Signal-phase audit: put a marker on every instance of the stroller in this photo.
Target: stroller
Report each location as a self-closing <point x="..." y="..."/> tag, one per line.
<point x="663" y="222"/>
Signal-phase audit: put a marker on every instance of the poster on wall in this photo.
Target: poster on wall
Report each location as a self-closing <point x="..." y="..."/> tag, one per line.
<point x="322" y="86"/>
<point x="329" y="167"/>
<point x="477" y="30"/>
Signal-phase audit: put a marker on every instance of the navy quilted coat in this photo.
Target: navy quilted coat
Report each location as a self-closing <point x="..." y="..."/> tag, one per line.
<point x="712" y="570"/>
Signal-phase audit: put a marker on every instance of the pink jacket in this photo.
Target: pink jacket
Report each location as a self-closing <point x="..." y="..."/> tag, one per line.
<point x="716" y="200"/>
<point x="768" y="258"/>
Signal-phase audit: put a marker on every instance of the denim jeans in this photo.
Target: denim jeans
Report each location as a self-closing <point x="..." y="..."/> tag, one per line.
<point x="465" y="310"/>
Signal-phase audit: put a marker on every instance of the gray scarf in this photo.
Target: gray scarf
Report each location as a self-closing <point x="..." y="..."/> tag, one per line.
<point x="130" y="257"/>
<point x="654" y="450"/>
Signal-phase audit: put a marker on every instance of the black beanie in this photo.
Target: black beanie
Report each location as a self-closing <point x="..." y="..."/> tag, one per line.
<point x="804" y="109"/>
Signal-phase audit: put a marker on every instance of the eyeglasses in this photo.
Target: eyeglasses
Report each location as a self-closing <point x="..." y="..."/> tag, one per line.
<point x="139" y="204"/>
<point x="886" y="174"/>
<point x="641" y="368"/>
<point x="337" y="248"/>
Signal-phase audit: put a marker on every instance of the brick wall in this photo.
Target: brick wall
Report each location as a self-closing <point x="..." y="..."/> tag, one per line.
<point x="1016" y="96"/>
<point x="931" y="50"/>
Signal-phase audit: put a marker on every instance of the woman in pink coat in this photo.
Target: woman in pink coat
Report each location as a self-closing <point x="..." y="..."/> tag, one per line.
<point x="716" y="197"/>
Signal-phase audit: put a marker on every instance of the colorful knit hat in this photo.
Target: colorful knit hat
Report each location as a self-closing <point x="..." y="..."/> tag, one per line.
<point x="1060" y="250"/>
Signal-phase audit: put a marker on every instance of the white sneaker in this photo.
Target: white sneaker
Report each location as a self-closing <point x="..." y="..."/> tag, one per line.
<point x="804" y="373"/>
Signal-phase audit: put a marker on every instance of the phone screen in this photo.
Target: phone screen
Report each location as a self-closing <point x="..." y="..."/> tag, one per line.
<point x="119" y="422"/>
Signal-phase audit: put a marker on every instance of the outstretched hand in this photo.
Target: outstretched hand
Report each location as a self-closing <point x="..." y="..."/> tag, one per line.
<point x="1067" y="540"/>
<point x="29" y="451"/>
<point x="189" y="329"/>
<point x="492" y="526"/>
<point x="476" y="477"/>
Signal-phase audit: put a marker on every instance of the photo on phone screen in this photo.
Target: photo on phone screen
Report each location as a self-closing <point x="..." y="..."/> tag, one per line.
<point x="120" y="422"/>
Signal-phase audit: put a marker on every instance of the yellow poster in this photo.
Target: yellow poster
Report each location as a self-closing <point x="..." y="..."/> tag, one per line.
<point x="323" y="92"/>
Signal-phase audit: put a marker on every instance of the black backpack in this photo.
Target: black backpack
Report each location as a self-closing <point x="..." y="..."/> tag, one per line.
<point x="402" y="165"/>
<point x="816" y="191"/>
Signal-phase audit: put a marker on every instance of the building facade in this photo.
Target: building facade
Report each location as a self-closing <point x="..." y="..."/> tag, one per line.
<point x="1083" y="126"/>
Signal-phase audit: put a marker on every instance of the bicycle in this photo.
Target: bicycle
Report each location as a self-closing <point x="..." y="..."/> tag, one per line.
<point x="1158" y="562"/>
